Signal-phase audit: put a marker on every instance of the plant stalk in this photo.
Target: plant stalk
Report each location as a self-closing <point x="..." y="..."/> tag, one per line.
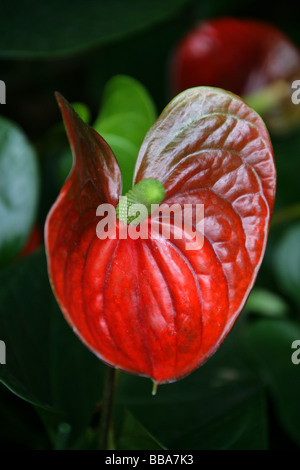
<point x="106" y="424"/>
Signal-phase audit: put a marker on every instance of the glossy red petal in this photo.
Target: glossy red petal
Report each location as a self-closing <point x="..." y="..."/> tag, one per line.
<point x="208" y="147"/>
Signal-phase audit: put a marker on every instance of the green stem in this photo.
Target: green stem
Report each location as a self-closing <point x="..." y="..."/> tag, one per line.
<point x="107" y="432"/>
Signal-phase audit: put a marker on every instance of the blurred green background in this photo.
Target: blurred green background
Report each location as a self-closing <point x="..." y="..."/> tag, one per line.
<point x="247" y="395"/>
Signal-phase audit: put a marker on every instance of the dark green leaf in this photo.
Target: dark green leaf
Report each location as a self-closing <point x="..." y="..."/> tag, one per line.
<point x="19" y="184"/>
<point x="38" y="29"/>
<point x="286" y="151"/>
<point x="246" y="425"/>
<point x="219" y="406"/>
<point x="287" y="262"/>
<point x="46" y="363"/>
<point x="20" y="427"/>
<point x="134" y="436"/>
<point x="268" y="344"/>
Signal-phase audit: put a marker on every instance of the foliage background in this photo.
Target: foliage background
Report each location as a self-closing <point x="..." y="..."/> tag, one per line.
<point x="247" y="395"/>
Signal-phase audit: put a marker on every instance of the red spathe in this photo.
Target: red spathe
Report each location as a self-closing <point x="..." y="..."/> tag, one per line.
<point x="150" y="306"/>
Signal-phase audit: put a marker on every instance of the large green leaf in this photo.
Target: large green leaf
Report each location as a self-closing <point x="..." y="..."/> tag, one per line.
<point x="220" y="406"/>
<point x="134" y="436"/>
<point x="245" y="424"/>
<point x="268" y="344"/>
<point x="46" y="363"/>
<point x="20" y="427"/>
<point x="126" y="114"/>
<point x="19" y="185"/>
<point x="38" y="29"/>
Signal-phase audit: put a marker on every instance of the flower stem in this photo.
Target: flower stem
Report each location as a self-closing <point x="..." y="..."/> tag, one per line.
<point x="106" y="424"/>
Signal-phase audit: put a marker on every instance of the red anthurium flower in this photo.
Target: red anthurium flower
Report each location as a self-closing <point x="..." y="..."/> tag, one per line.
<point x="152" y="306"/>
<point x="242" y="56"/>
